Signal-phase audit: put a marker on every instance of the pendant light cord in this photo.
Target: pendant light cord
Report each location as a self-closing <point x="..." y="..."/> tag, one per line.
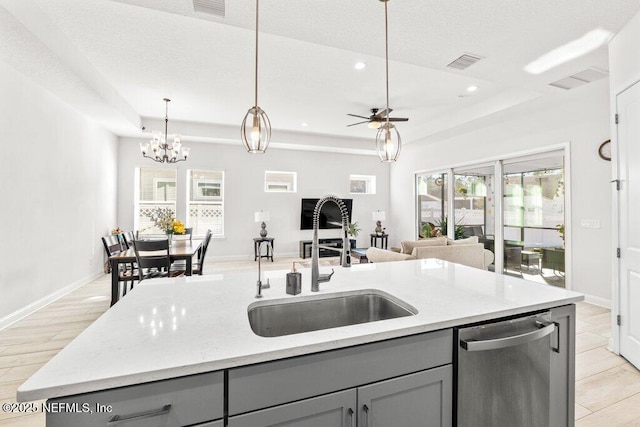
<point x="256" y="79"/>
<point x="386" y="44"/>
<point x="166" y="121"/>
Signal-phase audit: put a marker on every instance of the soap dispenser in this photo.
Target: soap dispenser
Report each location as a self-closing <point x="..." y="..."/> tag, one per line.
<point x="294" y="281"/>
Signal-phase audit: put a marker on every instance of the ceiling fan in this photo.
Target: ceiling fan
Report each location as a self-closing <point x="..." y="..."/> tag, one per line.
<point x="376" y="118"/>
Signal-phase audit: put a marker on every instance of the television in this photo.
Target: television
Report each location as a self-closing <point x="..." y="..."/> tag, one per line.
<point x="330" y="216"/>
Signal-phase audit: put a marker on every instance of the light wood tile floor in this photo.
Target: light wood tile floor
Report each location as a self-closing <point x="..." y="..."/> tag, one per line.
<point x="607" y="386"/>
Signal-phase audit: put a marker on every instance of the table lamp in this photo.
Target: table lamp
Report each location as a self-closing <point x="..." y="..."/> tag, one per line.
<point x="378" y="217"/>
<point x="262" y="217"/>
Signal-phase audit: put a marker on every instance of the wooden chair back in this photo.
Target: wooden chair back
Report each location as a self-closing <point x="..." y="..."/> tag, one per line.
<point x="112" y="244"/>
<point x="152" y="257"/>
<point x="128" y="237"/>
<point x="203" y="252"/>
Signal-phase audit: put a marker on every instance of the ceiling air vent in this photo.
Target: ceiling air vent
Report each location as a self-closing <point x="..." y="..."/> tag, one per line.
<point x="465" y="61"/>
<point x="211" y="7"/>
<point x="582" y="78"/>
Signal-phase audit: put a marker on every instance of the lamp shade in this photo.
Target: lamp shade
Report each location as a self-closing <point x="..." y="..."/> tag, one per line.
<point x="261" y="216"/>
<point x="378" y="216"/>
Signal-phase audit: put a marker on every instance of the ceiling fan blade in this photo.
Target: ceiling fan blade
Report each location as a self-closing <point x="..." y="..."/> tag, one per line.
<point x="360" y="117"/>
<point x="397" y="119"/>
<point x="359" y="123"/>
<point x="385" y="112"/>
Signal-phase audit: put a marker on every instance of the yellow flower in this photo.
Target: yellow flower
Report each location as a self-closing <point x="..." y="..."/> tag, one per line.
<point x="178" y="227"/>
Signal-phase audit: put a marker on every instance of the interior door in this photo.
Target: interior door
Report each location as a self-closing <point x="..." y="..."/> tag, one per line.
<point x="628" y="158"/>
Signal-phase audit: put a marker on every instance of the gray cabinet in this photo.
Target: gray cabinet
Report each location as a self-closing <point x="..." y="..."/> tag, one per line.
<point x="175" y="402"/>
<point x="562" y="406"/>
<point x="331" y="410"/>
<point x="420" y="399"/>
<point x="274" y="383"/>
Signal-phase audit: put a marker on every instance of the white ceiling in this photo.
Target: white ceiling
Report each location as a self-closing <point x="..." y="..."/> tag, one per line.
<point x="116" y="59"/>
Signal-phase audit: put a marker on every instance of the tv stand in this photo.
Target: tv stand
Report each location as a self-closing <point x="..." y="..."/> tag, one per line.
<point x="305" y="247"/>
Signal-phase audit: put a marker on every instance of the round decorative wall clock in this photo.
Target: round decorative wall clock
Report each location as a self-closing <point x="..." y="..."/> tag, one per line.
<point x="604" y="151"/>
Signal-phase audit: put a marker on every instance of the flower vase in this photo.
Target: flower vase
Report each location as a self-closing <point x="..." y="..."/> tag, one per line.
<point x="170" y="238"/>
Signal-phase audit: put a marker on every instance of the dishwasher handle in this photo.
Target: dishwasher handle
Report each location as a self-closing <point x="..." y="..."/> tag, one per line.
<point x="545" y="328"/>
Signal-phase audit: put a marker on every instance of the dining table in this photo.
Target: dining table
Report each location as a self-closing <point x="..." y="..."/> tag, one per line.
<point x="179" y="250"/>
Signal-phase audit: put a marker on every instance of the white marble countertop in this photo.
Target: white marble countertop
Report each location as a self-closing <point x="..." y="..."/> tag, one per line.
<point x="174" y="327"/>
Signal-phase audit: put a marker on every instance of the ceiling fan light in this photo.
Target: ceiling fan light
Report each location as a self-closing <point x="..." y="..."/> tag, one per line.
<point x="374" y="124"/>
<point x="388" y="143"/>
<point x="256" y="130"/>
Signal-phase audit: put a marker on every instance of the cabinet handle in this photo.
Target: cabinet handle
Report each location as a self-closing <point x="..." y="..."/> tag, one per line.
<point x="365" y="408"/>
<point x="117" y="419"/>
<point x="350" y="413"/>
<point x="557" y="347"/>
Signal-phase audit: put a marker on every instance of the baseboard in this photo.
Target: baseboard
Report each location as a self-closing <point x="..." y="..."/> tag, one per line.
<point x="602" y="302"/>
<point x="12" y="318"/>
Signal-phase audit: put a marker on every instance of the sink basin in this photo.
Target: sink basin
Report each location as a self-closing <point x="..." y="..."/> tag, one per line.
<point x="287" y="317"/>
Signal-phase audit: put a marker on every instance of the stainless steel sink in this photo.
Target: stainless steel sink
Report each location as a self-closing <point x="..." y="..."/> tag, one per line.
<point x="278" y="318"/>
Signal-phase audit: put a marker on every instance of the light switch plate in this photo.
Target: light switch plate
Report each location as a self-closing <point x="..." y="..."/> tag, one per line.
<point x="590" y="223"/>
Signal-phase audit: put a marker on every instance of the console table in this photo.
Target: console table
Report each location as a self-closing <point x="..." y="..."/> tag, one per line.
<point x="305" y="247"/>
<point x="256" y="248"/>
<point x="384" y="239"/>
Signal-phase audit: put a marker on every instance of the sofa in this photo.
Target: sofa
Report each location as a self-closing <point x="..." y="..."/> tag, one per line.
<point x="465" y="251"/>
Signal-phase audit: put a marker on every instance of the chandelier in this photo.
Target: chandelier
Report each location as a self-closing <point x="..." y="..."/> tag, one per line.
<point x="256" y="127"/>
<point x="161" y="151"/>
<point x="388" y="141"/>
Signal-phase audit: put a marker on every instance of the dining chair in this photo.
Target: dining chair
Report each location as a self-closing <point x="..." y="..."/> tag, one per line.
<point x="128" y="237"/>
<point x="127" y="273"/>
<point x="198" y="263"/>
<point x="198" y="266"/>
<point x="153" y="258"/>
<point x="112" y="244"/>
<point x="187" y="235"/>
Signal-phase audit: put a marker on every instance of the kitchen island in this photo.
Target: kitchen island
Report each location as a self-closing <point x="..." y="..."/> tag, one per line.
<point x="191" y="337"/>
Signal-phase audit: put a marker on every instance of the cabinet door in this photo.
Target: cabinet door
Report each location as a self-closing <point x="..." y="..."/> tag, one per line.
<point x="563" y="366"/>
<point x="422" y="399"/>
<point x="334" y="410"/>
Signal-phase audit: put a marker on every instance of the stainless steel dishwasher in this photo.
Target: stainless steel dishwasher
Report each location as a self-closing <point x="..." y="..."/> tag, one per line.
<point x="503" y="374"/>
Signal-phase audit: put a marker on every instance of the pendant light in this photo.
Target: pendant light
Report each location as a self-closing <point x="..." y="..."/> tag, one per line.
<point x="256" y="127"/>
<point x="388" y="141"/>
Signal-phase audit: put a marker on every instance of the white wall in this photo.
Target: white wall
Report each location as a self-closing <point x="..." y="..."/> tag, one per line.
<point x="319" y="174"/>
<point x="58" y="191"/>
<point x="581" y="117"/>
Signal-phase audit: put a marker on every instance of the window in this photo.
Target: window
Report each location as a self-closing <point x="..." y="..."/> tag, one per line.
<point x="362" y="184"/>
<point x="156" y="188"/>
<point x="205" y="202"/>
<point x="280" y="182"/>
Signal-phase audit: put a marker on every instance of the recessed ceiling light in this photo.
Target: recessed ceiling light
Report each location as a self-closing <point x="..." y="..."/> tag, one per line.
<point x="360" y="65"/>
<point x="472" y="88"/>
<point x="304" y="124"/>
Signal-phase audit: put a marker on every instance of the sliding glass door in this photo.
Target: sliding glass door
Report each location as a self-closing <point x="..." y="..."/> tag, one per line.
<point x="534" y="209"/>
<point x="515" y="206"/>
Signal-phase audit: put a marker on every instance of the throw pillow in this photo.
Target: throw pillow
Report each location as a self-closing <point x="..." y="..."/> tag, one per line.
<point x="408" y="245"/>
<point x="468" y="241"/>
